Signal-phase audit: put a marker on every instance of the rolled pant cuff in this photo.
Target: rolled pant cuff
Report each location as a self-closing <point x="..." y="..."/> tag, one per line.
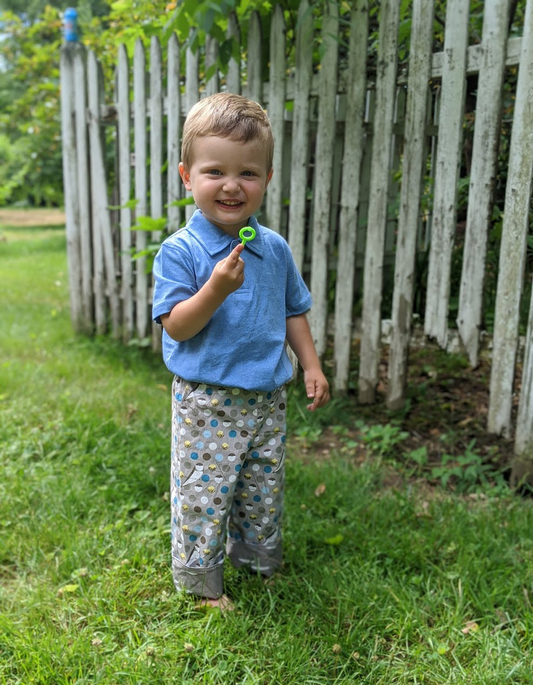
<point x="207" y="582"/>
<point x="266" y="560"/>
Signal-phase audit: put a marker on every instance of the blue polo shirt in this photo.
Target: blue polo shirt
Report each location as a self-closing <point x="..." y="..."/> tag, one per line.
<point x="243" y="344"/>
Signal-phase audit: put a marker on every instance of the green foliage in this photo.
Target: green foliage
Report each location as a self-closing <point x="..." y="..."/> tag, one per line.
<point x="29" y="119"/>
<point x="29" y="85"/>
<point x="31" y="10"/>
<point x="155" y="226"/>
<point x="466" y="473"/>
<point x="381" y="440"/>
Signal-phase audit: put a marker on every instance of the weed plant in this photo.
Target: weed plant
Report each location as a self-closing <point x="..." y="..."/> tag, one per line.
<point x="381" y="585"/>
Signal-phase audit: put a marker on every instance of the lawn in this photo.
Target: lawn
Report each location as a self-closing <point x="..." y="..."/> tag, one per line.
<point x="389" y="577"/>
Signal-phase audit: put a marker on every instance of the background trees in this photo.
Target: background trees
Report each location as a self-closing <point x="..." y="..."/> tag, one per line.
<point x="30" y="151"/>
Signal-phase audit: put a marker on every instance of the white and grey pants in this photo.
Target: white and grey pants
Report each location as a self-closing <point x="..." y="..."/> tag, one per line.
<point x="227" y="481"/>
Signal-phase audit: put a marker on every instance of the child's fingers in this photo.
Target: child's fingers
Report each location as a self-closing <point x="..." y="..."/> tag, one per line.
<point x="233" y="260"/>
<point x="235" y="254"/>
<point x="312" y="393"/>
<point x="319" y="394"/>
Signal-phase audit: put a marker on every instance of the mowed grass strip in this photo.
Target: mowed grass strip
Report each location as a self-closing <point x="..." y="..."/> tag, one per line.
<point x="382" y="585"/>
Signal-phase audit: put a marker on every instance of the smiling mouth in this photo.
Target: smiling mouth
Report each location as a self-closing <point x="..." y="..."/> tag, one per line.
<point x="230" y="203"/>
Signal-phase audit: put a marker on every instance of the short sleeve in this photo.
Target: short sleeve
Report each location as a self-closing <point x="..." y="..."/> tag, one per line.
<point x="297" y="296"/>
<point x="174" y="278"/>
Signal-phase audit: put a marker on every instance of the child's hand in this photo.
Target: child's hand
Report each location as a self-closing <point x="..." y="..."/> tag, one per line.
<point x="317" y="388"/>
<point x="228" y="274"/>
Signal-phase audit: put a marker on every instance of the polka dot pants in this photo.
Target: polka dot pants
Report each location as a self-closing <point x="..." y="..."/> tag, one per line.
<point x="227" y="479"/>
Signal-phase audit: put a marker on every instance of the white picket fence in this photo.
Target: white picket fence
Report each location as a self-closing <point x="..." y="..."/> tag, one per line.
<point x="338" y="146"/>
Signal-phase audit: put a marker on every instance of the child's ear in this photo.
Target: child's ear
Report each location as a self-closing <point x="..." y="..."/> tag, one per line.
<point x="268" y="178"/>
<point x="185" y="176"/>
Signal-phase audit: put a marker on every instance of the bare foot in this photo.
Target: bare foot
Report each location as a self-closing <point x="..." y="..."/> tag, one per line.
<point x="223" y="603"/>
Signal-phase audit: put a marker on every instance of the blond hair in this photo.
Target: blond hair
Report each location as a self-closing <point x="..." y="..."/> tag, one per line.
<point x="227" y="115"/>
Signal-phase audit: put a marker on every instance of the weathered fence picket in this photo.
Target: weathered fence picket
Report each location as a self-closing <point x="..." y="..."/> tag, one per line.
<point x="174" y="185"/>
<point x="84" y="199"/>
<point x="483" y="174"/>
<point x="352" y="142"/>
<point x="322" y="188"/>
<point x="211" y="59"/>
<point x="70" y="176"/>
<point x="233" y="78"/>
<point x="377" y="210"/>
<point x="513" y="244"/>
<point x="122" y="99"/>
<point x="191" y="97"/>
<point x="276" y="113"/>
<point x="447" y="171"/>
<point x="300" y="136"/>
<point x="408" y="219"/>
<point x="524" y="421"/>
<point x="353" y="156"/>
<point x="254" y="62"/>
<point x="106" y="282"/>
<point x="156" y="134"/>
<point x="141" y="183"/>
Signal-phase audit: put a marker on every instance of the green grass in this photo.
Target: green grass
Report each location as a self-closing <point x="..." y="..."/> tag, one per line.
<point x="382" y="585"/>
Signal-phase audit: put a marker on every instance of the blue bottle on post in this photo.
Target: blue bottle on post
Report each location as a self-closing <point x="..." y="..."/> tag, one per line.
<point x="70" y="23"/>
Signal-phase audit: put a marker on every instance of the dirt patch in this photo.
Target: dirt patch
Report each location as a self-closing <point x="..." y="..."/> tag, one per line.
<point x="444" y="418"/>
<point x="32" y="217"/>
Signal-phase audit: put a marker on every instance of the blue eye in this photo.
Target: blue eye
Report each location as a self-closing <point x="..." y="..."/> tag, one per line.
<point x="214" y="172"/>
<point x="248" y="173"/>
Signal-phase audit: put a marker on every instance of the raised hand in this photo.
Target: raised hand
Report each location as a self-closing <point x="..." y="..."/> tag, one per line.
<point x="228" y="274"/>
<point x="189" y="317"/>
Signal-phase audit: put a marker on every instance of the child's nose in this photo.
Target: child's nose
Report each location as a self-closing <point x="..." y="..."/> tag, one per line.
<point x="231" y="184"/>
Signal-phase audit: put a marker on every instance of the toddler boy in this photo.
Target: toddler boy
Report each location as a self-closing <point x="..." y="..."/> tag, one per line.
<point x="226" y="318"/>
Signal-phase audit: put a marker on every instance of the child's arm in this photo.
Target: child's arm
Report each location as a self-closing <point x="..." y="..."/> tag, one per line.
<point x="189" y="317"/>
<point x="300" y="339"/>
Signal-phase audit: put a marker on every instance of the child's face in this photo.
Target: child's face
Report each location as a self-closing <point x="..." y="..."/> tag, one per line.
<point x="228" y="180"/>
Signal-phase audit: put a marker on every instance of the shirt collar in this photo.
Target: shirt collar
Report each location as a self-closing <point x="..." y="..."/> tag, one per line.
<point x="214" y="240"/>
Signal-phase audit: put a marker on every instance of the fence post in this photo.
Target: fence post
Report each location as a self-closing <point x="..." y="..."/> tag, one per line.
<point x="70" y="181"/>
